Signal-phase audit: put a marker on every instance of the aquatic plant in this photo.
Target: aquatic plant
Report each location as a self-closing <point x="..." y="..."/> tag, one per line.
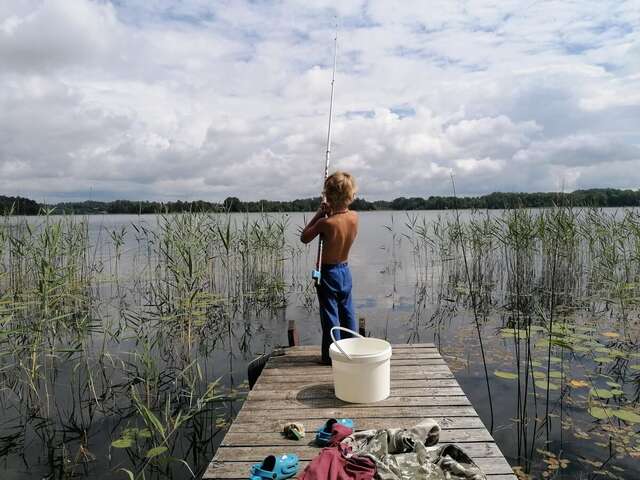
<point x="140" y="353"/>
<point x="123" y="348"/>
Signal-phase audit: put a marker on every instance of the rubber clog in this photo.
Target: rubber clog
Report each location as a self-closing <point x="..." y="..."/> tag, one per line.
<point x="323" y="434"/>
<point x="275" y="467"/>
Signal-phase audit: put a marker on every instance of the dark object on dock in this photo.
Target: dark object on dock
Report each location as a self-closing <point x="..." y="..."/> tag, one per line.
<point x="292" y="334"/>
<point x="255" y="367"/>
<point x="294" y="387"/>
<point x="362" y="326"/>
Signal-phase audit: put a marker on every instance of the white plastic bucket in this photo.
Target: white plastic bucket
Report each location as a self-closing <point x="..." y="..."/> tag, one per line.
<point x="361" y="368"/>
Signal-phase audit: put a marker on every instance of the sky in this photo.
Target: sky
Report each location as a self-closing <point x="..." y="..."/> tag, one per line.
<point x="201" y="99"/>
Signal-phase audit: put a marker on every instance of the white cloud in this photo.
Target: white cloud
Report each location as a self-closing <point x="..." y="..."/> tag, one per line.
<point x="201" y="99"/>
<point x="576" y="150"/>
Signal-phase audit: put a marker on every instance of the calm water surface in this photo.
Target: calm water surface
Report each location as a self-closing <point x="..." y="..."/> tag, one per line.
<point x="405" y="295"/>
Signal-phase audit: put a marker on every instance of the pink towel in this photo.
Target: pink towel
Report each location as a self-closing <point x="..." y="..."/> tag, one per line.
<point x="332" y="463"/>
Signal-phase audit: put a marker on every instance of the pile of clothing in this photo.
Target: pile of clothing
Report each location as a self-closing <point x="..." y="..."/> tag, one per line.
<point x="391" y="454"/>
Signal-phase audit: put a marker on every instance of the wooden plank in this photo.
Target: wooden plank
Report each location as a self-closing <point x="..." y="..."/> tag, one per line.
<point x="239" y="470"/>
<point x="272" y="384"/>
<point x="278" y="439"/>
<point x="314" y="359"/>
<point x="281" y="362"/>
<point x="424" y="371"/>
<point x="316" y="348"/>
<point x="326" y="377"/>
<point x="263" y="424"/>
<point x="297" y="352"/>
<point x="424" y="401"/>
<point x="326" y="390"/>
<point x="366" y="412"/>
<point x="304" y="452"/>
<point x="397" y="352"/>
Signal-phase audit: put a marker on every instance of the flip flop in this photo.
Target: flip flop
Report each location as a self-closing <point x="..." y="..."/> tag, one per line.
<point x="323" y="434"/>
<point x="275" y="467"/>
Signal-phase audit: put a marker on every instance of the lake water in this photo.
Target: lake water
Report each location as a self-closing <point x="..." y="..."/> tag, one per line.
<point x="60" y="419"/>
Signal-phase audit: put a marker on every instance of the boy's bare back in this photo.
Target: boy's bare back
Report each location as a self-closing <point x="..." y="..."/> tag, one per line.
<point x="338" y="233"/>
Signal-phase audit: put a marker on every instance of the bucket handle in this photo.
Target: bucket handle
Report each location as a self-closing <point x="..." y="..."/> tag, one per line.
<point x="338" y="343"/>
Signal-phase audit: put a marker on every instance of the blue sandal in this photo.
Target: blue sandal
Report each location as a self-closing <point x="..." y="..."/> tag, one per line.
<point x="275" y="467"/>
<point x="323" y="434"/>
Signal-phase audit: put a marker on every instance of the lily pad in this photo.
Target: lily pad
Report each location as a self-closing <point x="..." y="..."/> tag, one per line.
<point x="556" y="374"/>
<point x="601" y="393"/>
<point x="616" y="392"/>
<point x="599" y="412"/>
<point x="613" y="384"/>
<point x="578" y="383"/>
<point x="507" y="375"/>
<point x="610" y="334"/>
<point x="627" y="416"/>
<point x="603" y="359"/>
<point x="581" y="349"/>
<point x="552" y="386"/>
<point x="580" y="336"/>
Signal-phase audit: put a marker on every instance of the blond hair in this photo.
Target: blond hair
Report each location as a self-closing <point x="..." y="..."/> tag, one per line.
<point x="340" y="189"/>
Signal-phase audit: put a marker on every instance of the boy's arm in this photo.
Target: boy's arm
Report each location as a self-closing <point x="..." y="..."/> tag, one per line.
<point x="315" y="226"/>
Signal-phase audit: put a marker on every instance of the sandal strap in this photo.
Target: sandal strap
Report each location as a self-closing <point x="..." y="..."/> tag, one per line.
<point x="258" y="472"/>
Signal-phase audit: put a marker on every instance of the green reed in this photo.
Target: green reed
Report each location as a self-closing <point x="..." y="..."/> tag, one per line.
<point x="95" y="351"/>
<point x="138" y="355"/>
<point x="562" y="280"/>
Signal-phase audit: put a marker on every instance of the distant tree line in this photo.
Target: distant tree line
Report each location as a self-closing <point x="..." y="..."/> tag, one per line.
<point x="598" y="197"/>
<point x="18" y="206"/>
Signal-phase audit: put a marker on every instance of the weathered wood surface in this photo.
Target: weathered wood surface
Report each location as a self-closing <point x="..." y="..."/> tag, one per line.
<point x="295" y="388"/>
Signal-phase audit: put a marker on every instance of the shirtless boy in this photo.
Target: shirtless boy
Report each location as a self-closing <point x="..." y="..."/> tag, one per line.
<point x="338" y="227"/>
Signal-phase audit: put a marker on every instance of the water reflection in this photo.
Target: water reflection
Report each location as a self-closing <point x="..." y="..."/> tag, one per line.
<point x="125" y="339"/>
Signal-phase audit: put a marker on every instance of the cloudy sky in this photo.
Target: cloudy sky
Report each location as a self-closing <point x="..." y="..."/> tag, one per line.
<point x="201" y="99"/>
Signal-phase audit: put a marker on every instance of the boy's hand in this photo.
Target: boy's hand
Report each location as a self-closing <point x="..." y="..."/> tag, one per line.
<point x="325" y="209"/>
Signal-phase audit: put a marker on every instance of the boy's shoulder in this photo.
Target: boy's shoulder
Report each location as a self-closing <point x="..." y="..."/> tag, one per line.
<point x="341" y="219"/>
<point x="349" y="214"/>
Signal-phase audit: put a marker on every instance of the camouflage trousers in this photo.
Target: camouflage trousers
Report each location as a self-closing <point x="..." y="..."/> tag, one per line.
<point x="413" y="454"/>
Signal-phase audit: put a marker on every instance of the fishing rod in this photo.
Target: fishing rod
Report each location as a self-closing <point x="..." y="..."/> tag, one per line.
<point x="316" y="272"/>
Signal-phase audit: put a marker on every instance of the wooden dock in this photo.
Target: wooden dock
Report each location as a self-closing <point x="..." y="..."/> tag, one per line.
<point x="293" y="387"/>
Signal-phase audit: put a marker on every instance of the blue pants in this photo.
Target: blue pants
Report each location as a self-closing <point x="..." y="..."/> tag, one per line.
<point x="336" y="305"/>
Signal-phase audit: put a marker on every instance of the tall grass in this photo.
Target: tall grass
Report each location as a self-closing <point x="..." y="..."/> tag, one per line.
<point x="93" y="353"/>
<point x="114" y="364"/>
<point x="565" y="282"/>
